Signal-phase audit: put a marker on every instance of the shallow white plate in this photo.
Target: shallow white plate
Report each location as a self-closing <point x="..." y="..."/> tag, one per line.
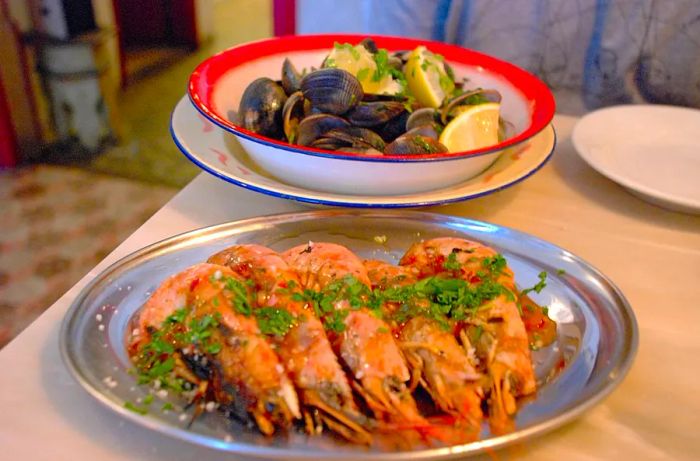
<point x="653" y="151"/>
<point x="218" y="152"/>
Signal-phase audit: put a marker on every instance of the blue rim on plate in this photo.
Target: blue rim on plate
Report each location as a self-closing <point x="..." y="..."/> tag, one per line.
<point x="194" y="158"/>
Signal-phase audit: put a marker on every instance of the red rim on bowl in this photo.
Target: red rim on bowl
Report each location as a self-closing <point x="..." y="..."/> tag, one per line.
<point x="206" y="76"/>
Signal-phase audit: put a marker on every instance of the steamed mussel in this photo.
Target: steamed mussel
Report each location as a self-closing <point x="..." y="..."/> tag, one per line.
<point x="362" y="101"/>
<point x="261" y="108"/>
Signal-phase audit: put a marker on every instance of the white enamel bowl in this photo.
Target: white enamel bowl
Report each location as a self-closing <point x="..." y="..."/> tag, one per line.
<point x="218" y="153"/>
<point x="217" y="85"/>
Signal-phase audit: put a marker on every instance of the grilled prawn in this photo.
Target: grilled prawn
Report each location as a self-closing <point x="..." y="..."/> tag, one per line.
<point x="196" y="331"/>
<point x="300" y="339"/>
<point x="363" y="341"/>
<point x="495" y="332"/>
<point x="435" y="357"/>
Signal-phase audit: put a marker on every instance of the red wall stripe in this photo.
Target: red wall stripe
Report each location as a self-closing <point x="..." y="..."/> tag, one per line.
<point x="284" y="17"/>
<point x="8" y="143"/>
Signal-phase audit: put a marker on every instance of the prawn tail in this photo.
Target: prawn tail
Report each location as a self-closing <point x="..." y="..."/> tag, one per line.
<point x="349" y="424"/>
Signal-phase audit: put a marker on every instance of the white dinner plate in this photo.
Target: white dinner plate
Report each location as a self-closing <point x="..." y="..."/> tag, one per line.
<point x="218" y="153"/>
<point x="653" y="151"/>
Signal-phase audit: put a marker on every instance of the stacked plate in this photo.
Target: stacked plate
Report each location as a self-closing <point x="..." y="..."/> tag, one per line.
<point x="201" y="128"/>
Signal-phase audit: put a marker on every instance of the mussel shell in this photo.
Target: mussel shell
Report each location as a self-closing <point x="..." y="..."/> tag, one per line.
<point x="261" y="106"/>
<point x="429" y="130"/>
<point x="369" y="114"/>
<point x="327" y="143"/>
<point x="463" y="99"/>
<point x="361" y="150"/>
<point x="332" y="90"/>
<point x="292" y="113"/>
<point x="394" y="127"/>
<point x="401" y="55"/>
<point x="369" y="45"/>
<point x="423" y="116"/>
<point x="291" y="78"/>
<point x="372" y="97"/>
<point x="356" y="137"/>
<point x="313" y="126"/>
<point x="395" y="62"/>
<point x="413" y="144"/>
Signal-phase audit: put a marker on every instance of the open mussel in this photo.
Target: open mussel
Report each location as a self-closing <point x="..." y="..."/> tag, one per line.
<point x="413" y="144"/>
<point x="425" y="122"/>
<point x="291" y="78"/>
<point x="430" y="131"/>
<point x="261" y="106"/>
<point x="315" y="125"/>
<point x="293" y="112"/>
<point x="369" y="45"/>
<point x="423" y="116"/>
<point x="468" y="98"/>
<point x="369" y="114"/>
<point x="394" y="127"/>
<point x="327" y="108"/>
<point x="332" y="90"/>
<point x="357" y="137"/>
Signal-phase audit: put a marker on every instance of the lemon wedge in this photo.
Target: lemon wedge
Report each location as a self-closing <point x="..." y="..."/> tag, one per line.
<point x="360" y="62"/>
<point x="427" y="78"/>
<point x="474" y="127"/>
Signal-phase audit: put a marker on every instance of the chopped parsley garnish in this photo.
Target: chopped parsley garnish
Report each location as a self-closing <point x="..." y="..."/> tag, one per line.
<point x="423" y="144"/>
<point x="274" y="321"/>
<point x="473" y="100"/>
<point x="381" y="59"/>
<point x="362" y="73"/>
<point x="446" y="83"/>
<point x="451" y="263"/>
<point x="442" y="299"/>
<point x="494" y="264"/>
<point x="239" y="296"/>
<point x="539" y="286"/>
<point x="351" y="49"/>
<point x="336" y="320"/>
<point x="348" y="290"/>
<point x="561" y="272"/>
<point x="178" y="316"/>
<point x="156" y="359"/>
<point x="136" y="409"/>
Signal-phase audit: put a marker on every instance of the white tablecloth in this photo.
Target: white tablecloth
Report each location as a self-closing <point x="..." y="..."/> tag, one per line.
<point x="652" y="254"/>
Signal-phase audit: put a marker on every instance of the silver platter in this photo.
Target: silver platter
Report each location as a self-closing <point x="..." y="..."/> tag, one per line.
<point x="597" y="331"/>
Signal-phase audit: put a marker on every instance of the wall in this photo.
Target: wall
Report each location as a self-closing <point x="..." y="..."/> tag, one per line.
<point x="14" y="19"/>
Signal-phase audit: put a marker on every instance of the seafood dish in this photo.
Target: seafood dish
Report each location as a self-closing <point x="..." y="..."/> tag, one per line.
<point x="365" y="100"/>
<point x="317" y="340"/>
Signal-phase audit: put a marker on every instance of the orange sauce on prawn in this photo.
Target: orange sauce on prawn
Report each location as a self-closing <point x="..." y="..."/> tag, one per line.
<point x="541" y="330"/>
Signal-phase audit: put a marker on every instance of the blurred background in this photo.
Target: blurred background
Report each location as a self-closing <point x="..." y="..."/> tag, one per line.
<point x="86" y="91"/>
<point x="87" y="87"/>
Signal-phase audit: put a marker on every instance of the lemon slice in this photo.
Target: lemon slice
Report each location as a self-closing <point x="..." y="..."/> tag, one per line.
<point x="359" y="61"/>
<point x="427" y="78"/>
<point x="473" y="128"/>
